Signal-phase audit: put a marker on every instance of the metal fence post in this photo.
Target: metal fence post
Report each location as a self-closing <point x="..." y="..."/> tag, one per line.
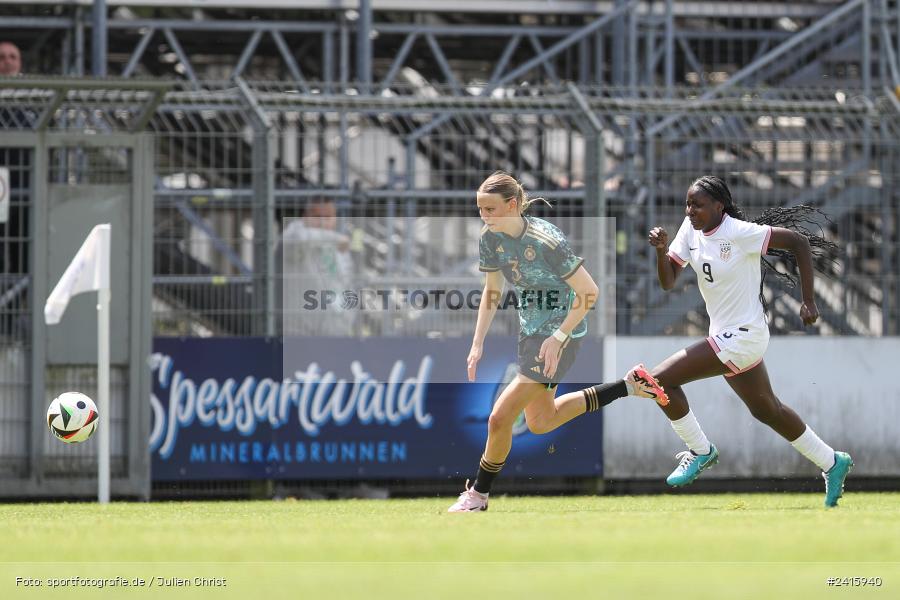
<point x="141" y="337"/>
<point x="595" y="202"/>
<point x="263" y="238"/>
<point x="39" y="230"/>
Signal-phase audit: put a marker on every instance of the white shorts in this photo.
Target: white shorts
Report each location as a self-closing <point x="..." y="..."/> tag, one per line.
<point x="740" y="348"/>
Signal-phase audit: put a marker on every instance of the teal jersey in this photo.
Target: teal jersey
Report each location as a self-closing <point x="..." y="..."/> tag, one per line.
<point x="537" y="264"/>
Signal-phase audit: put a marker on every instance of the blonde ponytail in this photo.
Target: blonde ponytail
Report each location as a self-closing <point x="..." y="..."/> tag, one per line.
<point x="505" y="185"/>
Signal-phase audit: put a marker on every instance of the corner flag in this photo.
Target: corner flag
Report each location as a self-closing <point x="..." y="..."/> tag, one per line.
<point x="89" y="271"/>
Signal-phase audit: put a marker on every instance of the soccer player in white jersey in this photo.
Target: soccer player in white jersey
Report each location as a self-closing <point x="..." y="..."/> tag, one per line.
<point x="725" y="250"/>
<point x="536" y="259"/>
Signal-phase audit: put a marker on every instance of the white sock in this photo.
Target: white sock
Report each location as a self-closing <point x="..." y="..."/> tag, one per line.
<point x="813" y="448"/>
<point x="688" y="429"/>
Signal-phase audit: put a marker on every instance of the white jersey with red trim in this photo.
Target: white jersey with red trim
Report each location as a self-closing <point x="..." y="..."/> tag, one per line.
<point x="728" y="267"/>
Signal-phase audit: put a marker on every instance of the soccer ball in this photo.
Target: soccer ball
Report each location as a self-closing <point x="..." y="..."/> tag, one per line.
<point x="72" y="417"/>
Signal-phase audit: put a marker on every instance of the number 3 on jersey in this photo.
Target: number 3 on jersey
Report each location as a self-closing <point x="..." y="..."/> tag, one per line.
<point x="514" y="270"/>
<point x="707" y="270"/>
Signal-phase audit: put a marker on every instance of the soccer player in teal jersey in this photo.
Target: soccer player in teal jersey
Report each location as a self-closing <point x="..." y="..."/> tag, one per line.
<point x="538" y="262"/>
<point x="555" y="293"/>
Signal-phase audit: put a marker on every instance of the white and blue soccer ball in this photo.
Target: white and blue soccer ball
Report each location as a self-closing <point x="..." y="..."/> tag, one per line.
<point x="72" y="417"/>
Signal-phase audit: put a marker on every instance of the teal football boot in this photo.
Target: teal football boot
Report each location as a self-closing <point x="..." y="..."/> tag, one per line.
<point x="691" y="465"/>
<point x="834" y="478"/>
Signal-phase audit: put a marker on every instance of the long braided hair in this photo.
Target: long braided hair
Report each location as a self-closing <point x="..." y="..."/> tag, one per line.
<point x="800" y="218"/>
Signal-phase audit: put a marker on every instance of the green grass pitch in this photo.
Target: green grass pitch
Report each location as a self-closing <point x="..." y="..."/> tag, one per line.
<point x="666" y="546"/>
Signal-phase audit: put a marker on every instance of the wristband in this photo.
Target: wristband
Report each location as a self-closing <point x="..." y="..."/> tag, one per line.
<point x="559" y="336"/>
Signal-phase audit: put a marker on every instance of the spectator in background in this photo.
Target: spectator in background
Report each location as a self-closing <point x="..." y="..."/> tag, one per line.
<point x="315" y="257"/>
<point x="21" y="116"/>
<point x="10" y="59"/>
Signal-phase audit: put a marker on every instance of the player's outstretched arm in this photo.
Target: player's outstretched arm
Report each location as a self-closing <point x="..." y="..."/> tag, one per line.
<point x="798" y="245"/>
<point x="667" y="270"/>
<point x="490" y="299"/>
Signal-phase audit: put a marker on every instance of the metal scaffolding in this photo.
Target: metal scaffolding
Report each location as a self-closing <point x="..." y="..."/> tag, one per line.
<point x="372" y="42"/>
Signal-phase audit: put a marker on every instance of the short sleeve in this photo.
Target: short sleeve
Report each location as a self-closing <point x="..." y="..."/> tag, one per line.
<point x="487" y="256"/>
<point x="679" y="249"/>
<point x="750" y="237"/>
<point x="562" y="260"/>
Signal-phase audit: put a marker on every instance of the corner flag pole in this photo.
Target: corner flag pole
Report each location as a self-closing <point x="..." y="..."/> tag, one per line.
<point x="89" y="271"/>
<point x="103" y="298"/>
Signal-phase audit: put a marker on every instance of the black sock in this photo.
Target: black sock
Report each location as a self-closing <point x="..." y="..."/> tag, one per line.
<point x="487" y="471"/>
<point x="598" y="396"/>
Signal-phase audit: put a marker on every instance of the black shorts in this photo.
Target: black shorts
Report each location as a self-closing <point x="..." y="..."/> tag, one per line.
<point x="532" y="368"/>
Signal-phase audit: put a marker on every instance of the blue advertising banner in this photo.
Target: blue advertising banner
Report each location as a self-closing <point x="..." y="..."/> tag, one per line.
<point x="359" y="409"/>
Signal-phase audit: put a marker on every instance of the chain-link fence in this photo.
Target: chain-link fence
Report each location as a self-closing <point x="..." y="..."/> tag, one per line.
<point x="15" y="311"/>
<point x="235" y="153"/>
<point x="238" y="159"/>
<point x="235" y="160"/>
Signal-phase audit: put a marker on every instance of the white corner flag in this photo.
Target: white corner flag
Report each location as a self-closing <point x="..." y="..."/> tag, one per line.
<point x="89" y="271"/>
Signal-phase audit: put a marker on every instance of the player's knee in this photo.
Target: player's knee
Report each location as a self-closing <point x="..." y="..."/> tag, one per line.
<point x="662" y="377"/>
<point x="766" y="409"/>
<point x="498" y="422"/>
<point x="671" y="388"/>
